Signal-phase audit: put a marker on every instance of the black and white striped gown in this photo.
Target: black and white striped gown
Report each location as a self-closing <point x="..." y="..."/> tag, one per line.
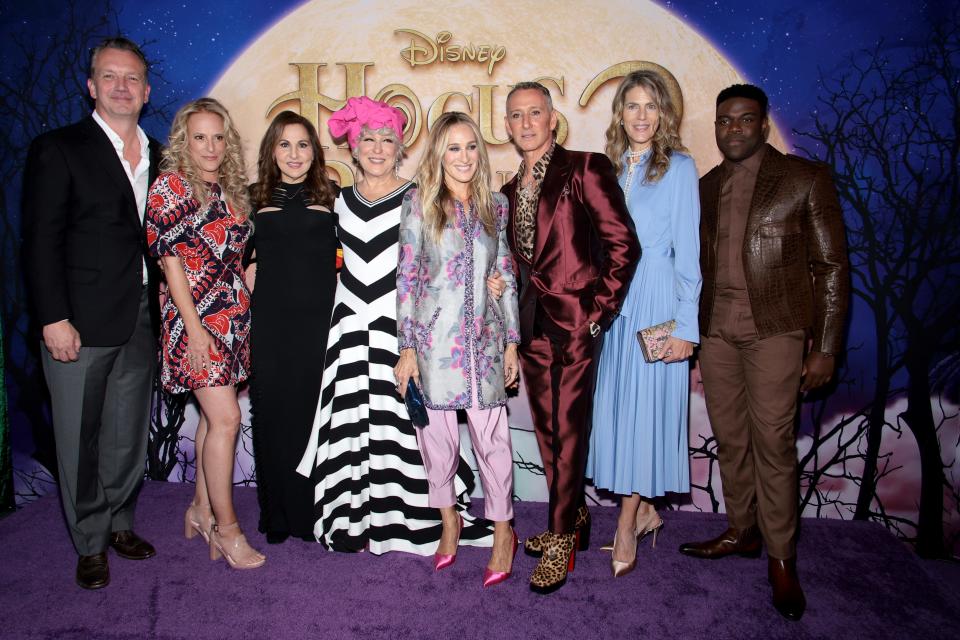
<point x="371" y="487"/>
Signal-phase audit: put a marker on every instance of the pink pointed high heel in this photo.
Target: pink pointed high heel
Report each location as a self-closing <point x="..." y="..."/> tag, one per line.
<point x="444" y="560"/>
<point x="491" y="578"/>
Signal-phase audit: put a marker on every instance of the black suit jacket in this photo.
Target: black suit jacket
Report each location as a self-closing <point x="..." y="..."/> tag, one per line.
<point x="83" y="241"/>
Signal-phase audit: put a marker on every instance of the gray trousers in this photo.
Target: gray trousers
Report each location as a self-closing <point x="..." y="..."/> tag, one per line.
<point x="101" y="419"/>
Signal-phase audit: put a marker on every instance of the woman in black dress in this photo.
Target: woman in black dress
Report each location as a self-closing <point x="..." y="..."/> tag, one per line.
<point x="293" y="278"/>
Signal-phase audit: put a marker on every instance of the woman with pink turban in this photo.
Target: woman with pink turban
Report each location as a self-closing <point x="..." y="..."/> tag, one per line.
<point x="371" y="487"/>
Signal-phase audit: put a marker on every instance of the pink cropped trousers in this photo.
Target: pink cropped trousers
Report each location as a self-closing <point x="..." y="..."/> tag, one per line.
<point x="439" y="444"/>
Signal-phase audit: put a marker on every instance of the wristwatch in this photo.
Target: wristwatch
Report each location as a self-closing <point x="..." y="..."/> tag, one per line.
<point x="594" y="329"/>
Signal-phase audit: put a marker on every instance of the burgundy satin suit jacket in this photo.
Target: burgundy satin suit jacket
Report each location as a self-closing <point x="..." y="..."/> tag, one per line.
<point x="585" y="247"/>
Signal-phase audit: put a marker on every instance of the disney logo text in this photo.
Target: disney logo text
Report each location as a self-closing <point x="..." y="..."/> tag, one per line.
<point x="424" y="50"/>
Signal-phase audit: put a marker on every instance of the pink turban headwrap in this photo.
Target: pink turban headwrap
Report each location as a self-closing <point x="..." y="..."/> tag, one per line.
<point x="363" y="112"/>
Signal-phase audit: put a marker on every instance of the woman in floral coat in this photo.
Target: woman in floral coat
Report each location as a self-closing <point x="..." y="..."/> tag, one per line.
<point x="456" y="341"/>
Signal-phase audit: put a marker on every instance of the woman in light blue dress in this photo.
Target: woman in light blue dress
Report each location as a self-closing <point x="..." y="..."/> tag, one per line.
<point x="638" y="447"/>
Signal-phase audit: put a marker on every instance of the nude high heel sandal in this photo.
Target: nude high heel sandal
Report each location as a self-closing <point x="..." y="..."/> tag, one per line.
<point x="237" y="551"/>
<point x="198" y="519"/>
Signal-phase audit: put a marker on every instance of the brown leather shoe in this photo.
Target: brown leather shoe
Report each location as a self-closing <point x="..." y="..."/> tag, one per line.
<point x="788" y="597"/>
<point x="93" y="571"/>
<point x="744" y="543"/>
<point x="129" y="545"/>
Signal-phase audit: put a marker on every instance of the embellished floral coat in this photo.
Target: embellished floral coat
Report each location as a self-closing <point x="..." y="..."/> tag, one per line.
<point x="444" y="310"/>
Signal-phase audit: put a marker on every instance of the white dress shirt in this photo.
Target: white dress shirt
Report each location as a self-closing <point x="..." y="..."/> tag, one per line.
<point x="139" y="178"/>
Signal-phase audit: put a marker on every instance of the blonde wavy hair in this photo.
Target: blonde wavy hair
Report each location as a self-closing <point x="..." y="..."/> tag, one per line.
<point x="667" y="138"/>
<point x="233" y="174"/>
<point x="435" y="199"/>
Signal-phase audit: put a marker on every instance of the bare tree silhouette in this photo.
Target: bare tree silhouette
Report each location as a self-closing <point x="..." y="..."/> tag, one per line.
<point x="889" y="132"/>
<point x="707" y="450"/>
<point x="47" y="90"/>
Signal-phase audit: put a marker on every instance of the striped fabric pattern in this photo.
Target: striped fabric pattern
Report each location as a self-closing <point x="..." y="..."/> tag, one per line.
<point x="371" y="488"/>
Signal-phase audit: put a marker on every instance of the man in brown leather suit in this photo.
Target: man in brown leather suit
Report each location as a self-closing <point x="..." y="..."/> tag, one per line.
<point x="775" y="287"/>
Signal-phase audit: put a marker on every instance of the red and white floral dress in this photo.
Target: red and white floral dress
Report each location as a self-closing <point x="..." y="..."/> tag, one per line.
<point x="210" y="242"/>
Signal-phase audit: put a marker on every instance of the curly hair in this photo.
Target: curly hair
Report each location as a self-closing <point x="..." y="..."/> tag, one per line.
<point x="435" y="198"/>
<point x="384" y="131"/>
<point x="666" y="140"/>
<point x="316" y="184"/>
<point x="233" y="174"/>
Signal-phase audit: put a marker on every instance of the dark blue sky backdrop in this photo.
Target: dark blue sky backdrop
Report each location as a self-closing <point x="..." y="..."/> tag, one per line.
<point x="782" y="45"/>
<point x="778" y="44"/>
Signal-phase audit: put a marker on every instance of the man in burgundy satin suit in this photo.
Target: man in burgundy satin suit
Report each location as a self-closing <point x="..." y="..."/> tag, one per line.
<point x="576" y="250"/>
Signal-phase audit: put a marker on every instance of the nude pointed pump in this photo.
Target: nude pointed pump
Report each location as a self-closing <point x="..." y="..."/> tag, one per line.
<point x="619" y="568"/>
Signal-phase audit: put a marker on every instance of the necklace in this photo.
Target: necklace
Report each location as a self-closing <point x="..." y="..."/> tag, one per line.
<point x="289" y="191"/>
<point x="634" y="159"/>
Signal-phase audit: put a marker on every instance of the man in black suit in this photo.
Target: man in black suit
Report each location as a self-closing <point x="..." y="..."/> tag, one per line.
<point x="85" y="190"/>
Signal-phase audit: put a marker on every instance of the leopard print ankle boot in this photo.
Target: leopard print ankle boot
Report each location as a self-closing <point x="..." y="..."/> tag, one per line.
<point x="556" y="561"/>
<point x="533" y="547"/>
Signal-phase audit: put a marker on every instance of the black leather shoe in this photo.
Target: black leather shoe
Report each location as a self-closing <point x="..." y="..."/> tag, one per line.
<point x="744" y="543"/>
<point x="788" y="597"/>
<point x="93" y="571"/>
<point x="129" y="545"/>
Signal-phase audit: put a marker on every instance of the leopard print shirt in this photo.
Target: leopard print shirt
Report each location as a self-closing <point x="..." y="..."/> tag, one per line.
<point x="528" y="198"/>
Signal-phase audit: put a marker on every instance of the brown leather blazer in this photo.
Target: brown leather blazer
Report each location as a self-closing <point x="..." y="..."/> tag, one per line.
<point x="585" y="249"/>
<point x="794" y="250"/>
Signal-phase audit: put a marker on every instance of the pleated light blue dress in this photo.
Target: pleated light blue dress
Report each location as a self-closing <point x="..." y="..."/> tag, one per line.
<point x="639" y="441"/>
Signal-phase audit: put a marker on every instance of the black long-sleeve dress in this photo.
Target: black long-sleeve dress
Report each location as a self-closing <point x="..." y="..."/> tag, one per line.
<point x="296" y="278"/>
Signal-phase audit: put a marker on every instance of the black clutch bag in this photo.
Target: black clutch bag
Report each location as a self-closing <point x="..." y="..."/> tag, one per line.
<point x="416" y="407"/>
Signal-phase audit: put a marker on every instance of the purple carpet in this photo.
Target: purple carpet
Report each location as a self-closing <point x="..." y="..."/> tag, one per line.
<point x="860" y="583"/>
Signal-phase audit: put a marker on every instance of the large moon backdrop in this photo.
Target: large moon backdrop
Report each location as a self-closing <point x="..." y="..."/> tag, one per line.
<point x="426" y="60"/>
<point x="429" y="56"/>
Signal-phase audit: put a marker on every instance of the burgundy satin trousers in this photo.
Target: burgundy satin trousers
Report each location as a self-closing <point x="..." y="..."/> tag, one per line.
<point x="559" y="376"/>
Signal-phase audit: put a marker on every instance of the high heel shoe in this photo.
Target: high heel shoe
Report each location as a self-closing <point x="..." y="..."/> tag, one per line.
<point x="198" y="519"/>
<point x="642" y="531"/>
<point x="652" y="525"/>
<point x="237" y="551"/>
<point x="444" y="560"/>
<point x="533" y="546"/>
<point x="558" y="560"/>
<point x="491" y="578"/>
<point x="619" y="568"/>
